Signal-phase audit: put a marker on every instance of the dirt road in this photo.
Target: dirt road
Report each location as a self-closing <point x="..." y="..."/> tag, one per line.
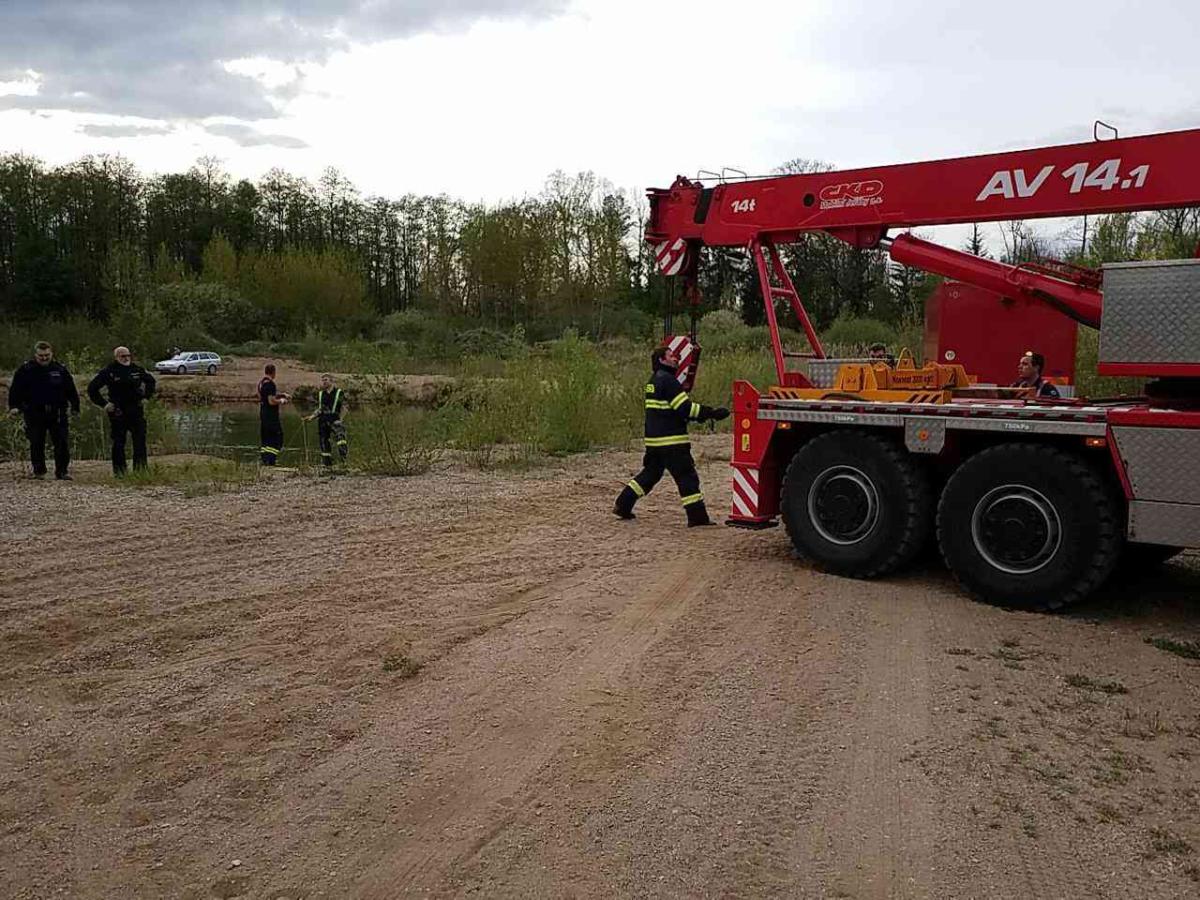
<point x="212" y="697"/>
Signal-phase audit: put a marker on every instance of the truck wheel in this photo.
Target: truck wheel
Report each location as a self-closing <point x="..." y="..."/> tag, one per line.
<point x="856" y="504"/>
<point x="1028" y="526"/>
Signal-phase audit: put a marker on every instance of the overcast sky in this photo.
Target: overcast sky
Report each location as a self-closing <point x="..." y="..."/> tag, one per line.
<point x="481" y="99"/>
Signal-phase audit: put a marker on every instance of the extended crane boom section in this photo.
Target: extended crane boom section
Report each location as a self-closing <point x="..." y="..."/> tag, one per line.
<point x="859" y="205"/>
<point x="1082" y="303"/>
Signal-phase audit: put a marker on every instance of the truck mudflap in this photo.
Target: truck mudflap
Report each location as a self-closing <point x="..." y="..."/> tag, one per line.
<point x="755" y="472"/>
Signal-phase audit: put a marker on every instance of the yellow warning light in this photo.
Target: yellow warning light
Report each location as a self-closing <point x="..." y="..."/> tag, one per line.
<point x="1096" y="442"/>
<point x="923" y="435"/>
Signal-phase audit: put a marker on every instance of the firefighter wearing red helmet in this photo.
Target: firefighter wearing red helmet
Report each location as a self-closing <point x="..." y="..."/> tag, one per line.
<point x="668" y="449"/>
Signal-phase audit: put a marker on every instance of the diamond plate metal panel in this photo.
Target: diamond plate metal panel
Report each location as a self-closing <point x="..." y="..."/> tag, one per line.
<point x="1174" y="524"/>
<point x="1161" y="463"/>
<point x="796" y="411"/>
<point x="823" y="372"/>
<point x="826" y="417"/>
<point x="925" y="435"/>
<point x="1151" y="312"/>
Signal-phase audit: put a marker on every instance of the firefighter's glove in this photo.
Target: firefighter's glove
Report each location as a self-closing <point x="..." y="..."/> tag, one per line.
<point x="719" y="413"/>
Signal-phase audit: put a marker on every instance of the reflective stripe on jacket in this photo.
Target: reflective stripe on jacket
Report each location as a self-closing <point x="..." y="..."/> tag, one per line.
<point x="668" y="410"/>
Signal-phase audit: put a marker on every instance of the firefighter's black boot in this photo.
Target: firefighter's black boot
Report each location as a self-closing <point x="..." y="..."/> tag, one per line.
<point x="697" y="515"/>
<point x="623" y="508"/>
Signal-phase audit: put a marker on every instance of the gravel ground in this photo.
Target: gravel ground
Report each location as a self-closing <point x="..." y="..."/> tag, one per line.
<point x="214" y="697"/>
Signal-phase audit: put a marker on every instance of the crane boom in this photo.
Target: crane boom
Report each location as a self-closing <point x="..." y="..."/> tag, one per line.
<point x="1149" y="172"/>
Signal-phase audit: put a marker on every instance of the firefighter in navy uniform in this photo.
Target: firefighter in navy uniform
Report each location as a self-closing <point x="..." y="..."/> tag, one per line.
<point x="1029" y="375"/>
<point x="127" y="386"/>
<point x="668" y="411"/>
<point x="41" y="391"/>
<point x="270" y="426"/>
<point x="331" y="405"/>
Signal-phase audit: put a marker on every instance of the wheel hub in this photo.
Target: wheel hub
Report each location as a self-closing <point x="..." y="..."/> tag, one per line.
<point x="1016" y="529"/>
<point x="843" y="505"/>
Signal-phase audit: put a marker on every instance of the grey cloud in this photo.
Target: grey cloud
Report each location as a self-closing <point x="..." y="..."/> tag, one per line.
<point x="246" y="136"/>
<point x="119" y="131"/>
<point x="163" y="59"/>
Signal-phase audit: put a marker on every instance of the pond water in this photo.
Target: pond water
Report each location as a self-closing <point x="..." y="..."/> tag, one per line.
<point x="229" y="430"/>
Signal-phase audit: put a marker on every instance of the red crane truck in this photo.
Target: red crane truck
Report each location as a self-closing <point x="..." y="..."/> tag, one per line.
<point x="1032" y="501"/>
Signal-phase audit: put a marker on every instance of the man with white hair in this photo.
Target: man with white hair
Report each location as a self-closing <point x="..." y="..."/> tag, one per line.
<point x="127" y="385"/>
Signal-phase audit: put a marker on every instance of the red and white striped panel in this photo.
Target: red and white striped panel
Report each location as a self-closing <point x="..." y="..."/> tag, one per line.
<point x="745" y="492"/>
<point x="683" y="348"/>
<point x="671" y="255"/>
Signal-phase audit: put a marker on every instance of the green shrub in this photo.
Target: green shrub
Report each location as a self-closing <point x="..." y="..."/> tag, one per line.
<point x="216" y="309"/>
<point x="718" y="372"/>
<point x="852" y="337"/>
<point x="487" y="342"/>
<point x="623" y="321"/>
<point x="388" y="443"/>
<point x="859" y="333"/>
<point x="562" y="398"/>
<point x="298" y="287"/>
<point x="75" y="338"/>
<point x="722" y="320"/>
<point x="419" y="332"/>
<point x="314" y="347"/>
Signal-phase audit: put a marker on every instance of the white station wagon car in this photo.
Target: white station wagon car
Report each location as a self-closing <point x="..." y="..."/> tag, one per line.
<point x="190" y="362"/>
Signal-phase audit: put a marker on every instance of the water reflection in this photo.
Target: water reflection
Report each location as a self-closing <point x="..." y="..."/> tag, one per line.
<point x="232" y="431"/>
<point x="229" y="430"/>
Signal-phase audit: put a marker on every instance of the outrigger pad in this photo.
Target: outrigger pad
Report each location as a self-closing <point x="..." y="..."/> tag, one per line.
<point x="751" y="526"/>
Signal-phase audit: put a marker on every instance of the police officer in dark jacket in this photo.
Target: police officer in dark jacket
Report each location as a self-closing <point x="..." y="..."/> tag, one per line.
<point x="127" y="386"/>
<point x="668" y="411"/>
<point x="41" y="391"/>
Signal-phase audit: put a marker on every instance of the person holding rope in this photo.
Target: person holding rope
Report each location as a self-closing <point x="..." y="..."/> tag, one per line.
<point x="331" y="406"/>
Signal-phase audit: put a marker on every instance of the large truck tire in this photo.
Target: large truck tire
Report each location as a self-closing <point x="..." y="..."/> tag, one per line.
<point x="1029" y="526"/>
<point x="856" y="504"/>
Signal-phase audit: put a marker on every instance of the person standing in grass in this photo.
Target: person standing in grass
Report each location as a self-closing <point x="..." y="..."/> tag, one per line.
<point x="331" y="406"/>
<point x="270" y="426"/>
<point x="41" y="391"/>
<point x="127" y="385"/>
